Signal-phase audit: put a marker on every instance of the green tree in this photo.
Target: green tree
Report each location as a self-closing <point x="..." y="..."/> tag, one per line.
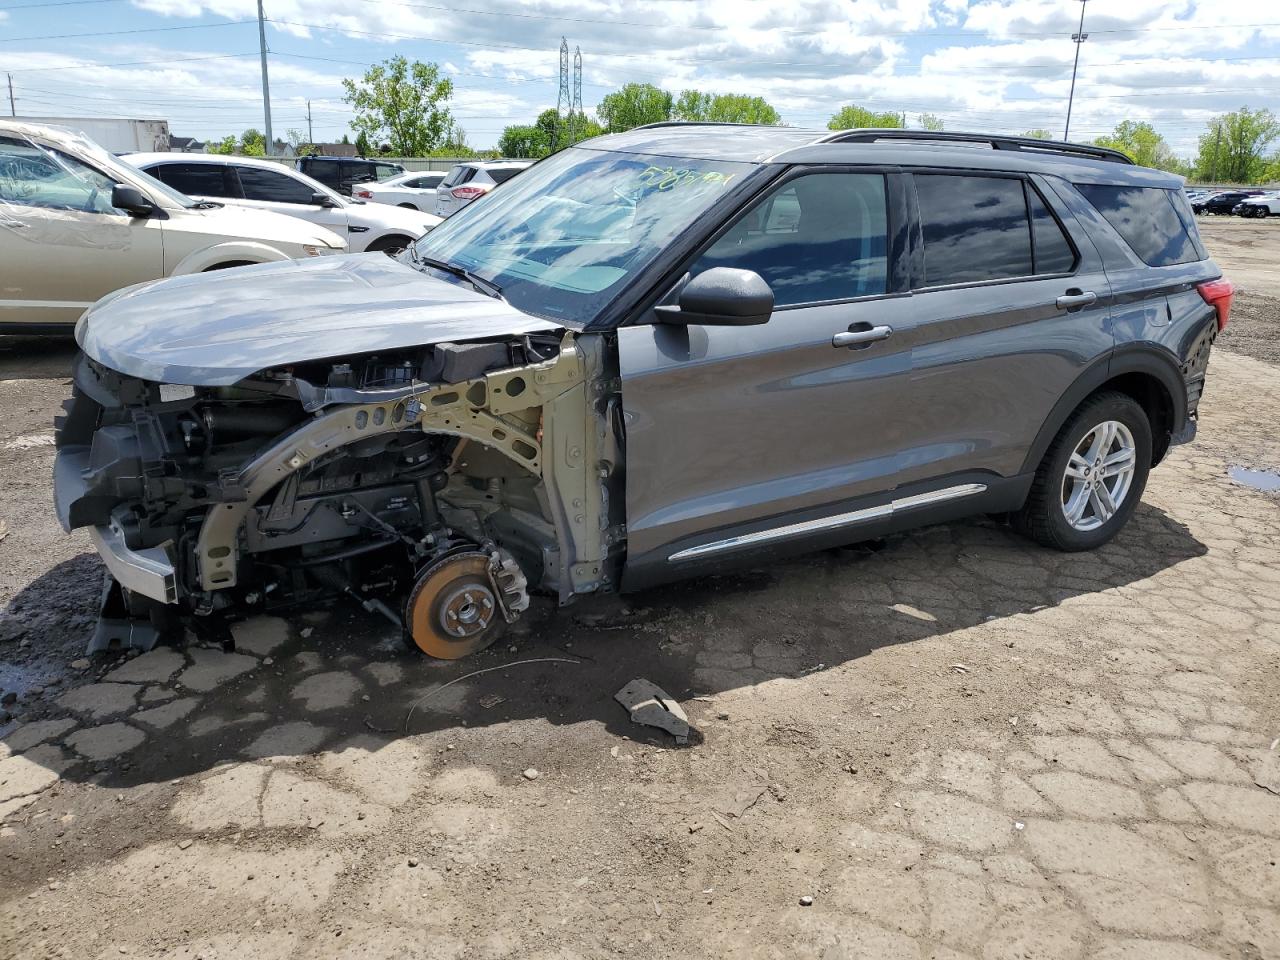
<point x="1140" y="142"/>
<point x="725" y="108"/>
<point x="227" y="146"/>
<point x="1233" y="148"/>
<point x="853" y="117"/>
<point x="253" y="143"/>
<point x="1039" y="134"/>
<point x="929" y="121"/>
<point x="404" y="103"/>
<point x="634" y="105"/>
<point x="525" y="140"/>
<point x="363" y="146"/>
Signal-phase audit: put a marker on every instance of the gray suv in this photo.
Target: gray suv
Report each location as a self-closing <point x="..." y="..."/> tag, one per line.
<point x="650" y="356"/>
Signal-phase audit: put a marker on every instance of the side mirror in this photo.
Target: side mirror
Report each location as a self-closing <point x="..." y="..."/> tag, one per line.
<point x="724" y="297"/>
<point x="131" y="200"/>
<point x="322" y="200"/>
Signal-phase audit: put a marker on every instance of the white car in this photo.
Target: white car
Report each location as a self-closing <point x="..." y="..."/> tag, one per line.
<point x="76" y="224"/>
<point x="415" y="190"/>
<point x="1265" y="205"/>
<point x="262" y="184"/>
<point x="472" y="180"/>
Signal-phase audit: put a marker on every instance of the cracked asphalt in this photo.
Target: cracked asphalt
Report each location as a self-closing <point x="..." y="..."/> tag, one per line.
<point x="959" y="745"/>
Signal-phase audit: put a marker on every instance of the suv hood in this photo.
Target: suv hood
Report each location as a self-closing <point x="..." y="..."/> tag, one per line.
<point x="213" y="329"/>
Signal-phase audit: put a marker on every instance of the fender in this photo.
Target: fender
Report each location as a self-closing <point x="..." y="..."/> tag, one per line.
<point x="253" y="251"/>
<point x="1145" y="358"/>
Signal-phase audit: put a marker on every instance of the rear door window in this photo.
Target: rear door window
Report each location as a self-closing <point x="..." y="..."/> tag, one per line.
<point x="259" y="184"/>
<point x="819" y="237"/>
<point x="197" y="179"/>
<point x="1150" y="219"/>
<point x="975" y="228"/>
<point x="1051" y="250"/>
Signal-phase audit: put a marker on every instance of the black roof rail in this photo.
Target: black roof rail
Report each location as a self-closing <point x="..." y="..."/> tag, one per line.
<point x="996" y="141"/>
<point x="702" y="123"/>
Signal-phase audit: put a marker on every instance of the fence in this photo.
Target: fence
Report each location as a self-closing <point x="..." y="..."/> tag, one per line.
<point x="409" y="163"/>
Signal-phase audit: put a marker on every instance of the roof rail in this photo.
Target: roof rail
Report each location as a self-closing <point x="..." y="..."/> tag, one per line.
<point x="995" y="141"/>
<point x="698" y="123"/>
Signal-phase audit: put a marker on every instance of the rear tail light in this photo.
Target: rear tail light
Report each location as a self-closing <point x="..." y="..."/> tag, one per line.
<point x="468" y="193"/>
<point x="363" y="194"/>
<point x="1218" y="294"/>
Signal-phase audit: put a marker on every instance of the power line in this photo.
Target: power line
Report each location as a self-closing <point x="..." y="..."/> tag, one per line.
<point x="119" y="33"/>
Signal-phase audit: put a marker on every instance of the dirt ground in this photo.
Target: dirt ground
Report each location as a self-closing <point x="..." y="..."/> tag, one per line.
<point x="959" y="745"/>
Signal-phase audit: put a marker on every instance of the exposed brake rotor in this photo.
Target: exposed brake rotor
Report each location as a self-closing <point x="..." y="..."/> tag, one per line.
<point x="461" y="604"/>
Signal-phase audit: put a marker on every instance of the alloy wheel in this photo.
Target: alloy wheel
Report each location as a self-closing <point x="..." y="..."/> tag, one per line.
<point x="1099" y="475"/>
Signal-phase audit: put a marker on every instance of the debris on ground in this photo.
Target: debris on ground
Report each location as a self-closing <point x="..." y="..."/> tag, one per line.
<point x="531" y="774"/>
<point x="652" y="706"/>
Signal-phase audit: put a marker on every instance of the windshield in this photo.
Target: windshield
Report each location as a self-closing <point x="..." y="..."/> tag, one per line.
<point x="92" y="150"/>
<point x="565" y="236"/>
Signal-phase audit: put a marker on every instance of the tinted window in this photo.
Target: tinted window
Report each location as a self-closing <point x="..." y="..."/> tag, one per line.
<point x="326" y="171"/>
<point x="975" y="228"/>
<point x="1148" y="220"/>
<point x="424" y="183"/>
<point x="455" y="175"/>
<point x="270" y="185"/>
<point x="819" y="237"/>
<point x="1053" y="253"/>
<point x="195" y="179"/>
<point x="503" y="174"/>
<point x="385" y="171"/>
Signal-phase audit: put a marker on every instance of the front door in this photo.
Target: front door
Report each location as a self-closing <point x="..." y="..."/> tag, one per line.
<point x="62" y="245"/>
<point x="728" y="428"/>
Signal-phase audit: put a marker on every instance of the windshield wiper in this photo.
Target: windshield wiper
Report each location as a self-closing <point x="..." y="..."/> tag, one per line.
<point x="207" y="205"/>
<point x="481" y="285"/>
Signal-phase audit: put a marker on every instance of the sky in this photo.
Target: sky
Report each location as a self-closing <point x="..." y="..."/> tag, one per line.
<point x="983" y="65"/>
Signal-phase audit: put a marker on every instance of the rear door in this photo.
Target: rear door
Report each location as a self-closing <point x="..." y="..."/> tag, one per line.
<point x="729" y="430"/>
<point x="1011" y="304"/>
<point x="62" y="245"/>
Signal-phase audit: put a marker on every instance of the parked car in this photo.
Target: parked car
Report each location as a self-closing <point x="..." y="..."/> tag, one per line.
<point x="76" y="223"/>
<point x="343" y="173"/>
<point x="1263" y="205"/>
<point x="683" y="349"/>
<point x="264" y="185"/>
<point x="416" y="191"/>
<point x="470" y="181"/>
<point x="1220" y="203"/>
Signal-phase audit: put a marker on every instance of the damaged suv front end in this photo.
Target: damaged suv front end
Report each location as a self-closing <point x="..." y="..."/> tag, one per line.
<point x="453" y="473"/>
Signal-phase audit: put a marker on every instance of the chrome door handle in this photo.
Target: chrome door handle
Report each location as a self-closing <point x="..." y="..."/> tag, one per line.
<point x="1072" y="301"/>
<point x="857" y="338"/>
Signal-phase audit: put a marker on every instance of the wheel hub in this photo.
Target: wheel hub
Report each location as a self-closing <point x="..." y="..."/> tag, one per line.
<point x="453" y="610"/>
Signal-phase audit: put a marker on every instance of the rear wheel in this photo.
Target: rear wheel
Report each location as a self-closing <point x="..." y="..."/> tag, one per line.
<point x="1092" y="476"/>
<point x="408" y="206"/>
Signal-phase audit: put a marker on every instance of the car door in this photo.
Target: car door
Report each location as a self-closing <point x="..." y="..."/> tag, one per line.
<point x="734" y="431"/>
<point x="1011" y="303"/>
<point x="446" y="203"/>
<point x="62" y="245"/>
<point x="277" y="191"/>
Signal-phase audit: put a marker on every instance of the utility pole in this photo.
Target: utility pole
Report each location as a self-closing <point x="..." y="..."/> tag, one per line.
<point x="564" y="100"/>
<point x="575" y="109"/>
<point x="1079" y="37"/>
<point x="311" y="137"/>
<point x="13" y="110"/>
<point x="266" y="87"/>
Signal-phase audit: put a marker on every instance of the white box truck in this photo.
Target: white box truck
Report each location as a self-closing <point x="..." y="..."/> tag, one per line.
<point x="115" y="134"/>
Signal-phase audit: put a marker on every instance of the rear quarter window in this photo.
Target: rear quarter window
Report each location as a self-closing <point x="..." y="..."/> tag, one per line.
<point x="503" y="174"/>
<point x="1150" y="219"/>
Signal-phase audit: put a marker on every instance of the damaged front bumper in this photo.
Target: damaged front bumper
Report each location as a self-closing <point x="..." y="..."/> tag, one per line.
<point x="148" y="572"/>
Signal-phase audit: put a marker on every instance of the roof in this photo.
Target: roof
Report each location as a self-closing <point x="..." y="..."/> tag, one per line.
<point x="184" y="141"/>
<point x="896" y="147"/>
<point x="137" y="159"/>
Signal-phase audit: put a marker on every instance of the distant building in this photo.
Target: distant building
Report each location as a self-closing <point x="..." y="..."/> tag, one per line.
<point x="187" y="145"/>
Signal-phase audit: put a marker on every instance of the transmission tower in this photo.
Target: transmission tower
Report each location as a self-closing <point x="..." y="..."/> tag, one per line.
<point x="577" y="120"/>
<point x="563" y="100"/>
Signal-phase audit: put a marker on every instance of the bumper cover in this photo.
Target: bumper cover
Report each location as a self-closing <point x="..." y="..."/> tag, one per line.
<point x="149" y="572"/>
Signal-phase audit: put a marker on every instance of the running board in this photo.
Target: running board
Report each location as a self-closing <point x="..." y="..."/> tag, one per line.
<point x="830" y="523"/>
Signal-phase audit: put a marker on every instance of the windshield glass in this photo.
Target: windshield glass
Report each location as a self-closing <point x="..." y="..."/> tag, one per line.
<point x="565" y="236"/>
<point x="93" y="151"/>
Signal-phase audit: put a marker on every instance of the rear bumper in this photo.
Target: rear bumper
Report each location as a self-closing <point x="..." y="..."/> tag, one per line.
<point x="149" y="572"/>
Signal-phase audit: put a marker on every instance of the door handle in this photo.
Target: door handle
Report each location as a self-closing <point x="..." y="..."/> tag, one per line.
<point x="861" y="336"/>
<point x="1075" y="299"/>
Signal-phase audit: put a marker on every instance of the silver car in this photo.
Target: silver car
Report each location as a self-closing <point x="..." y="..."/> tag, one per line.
<point x="685" y="348"/>
<point x="470" y="181"/>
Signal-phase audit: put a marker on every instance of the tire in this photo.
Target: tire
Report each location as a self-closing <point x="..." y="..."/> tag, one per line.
<point x="408" y="206"/>
<point x="1044" y="516"/>
<point x="1262" y="212"/>
<point x="229" y="264"/>
<point x="391" y="245"/>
